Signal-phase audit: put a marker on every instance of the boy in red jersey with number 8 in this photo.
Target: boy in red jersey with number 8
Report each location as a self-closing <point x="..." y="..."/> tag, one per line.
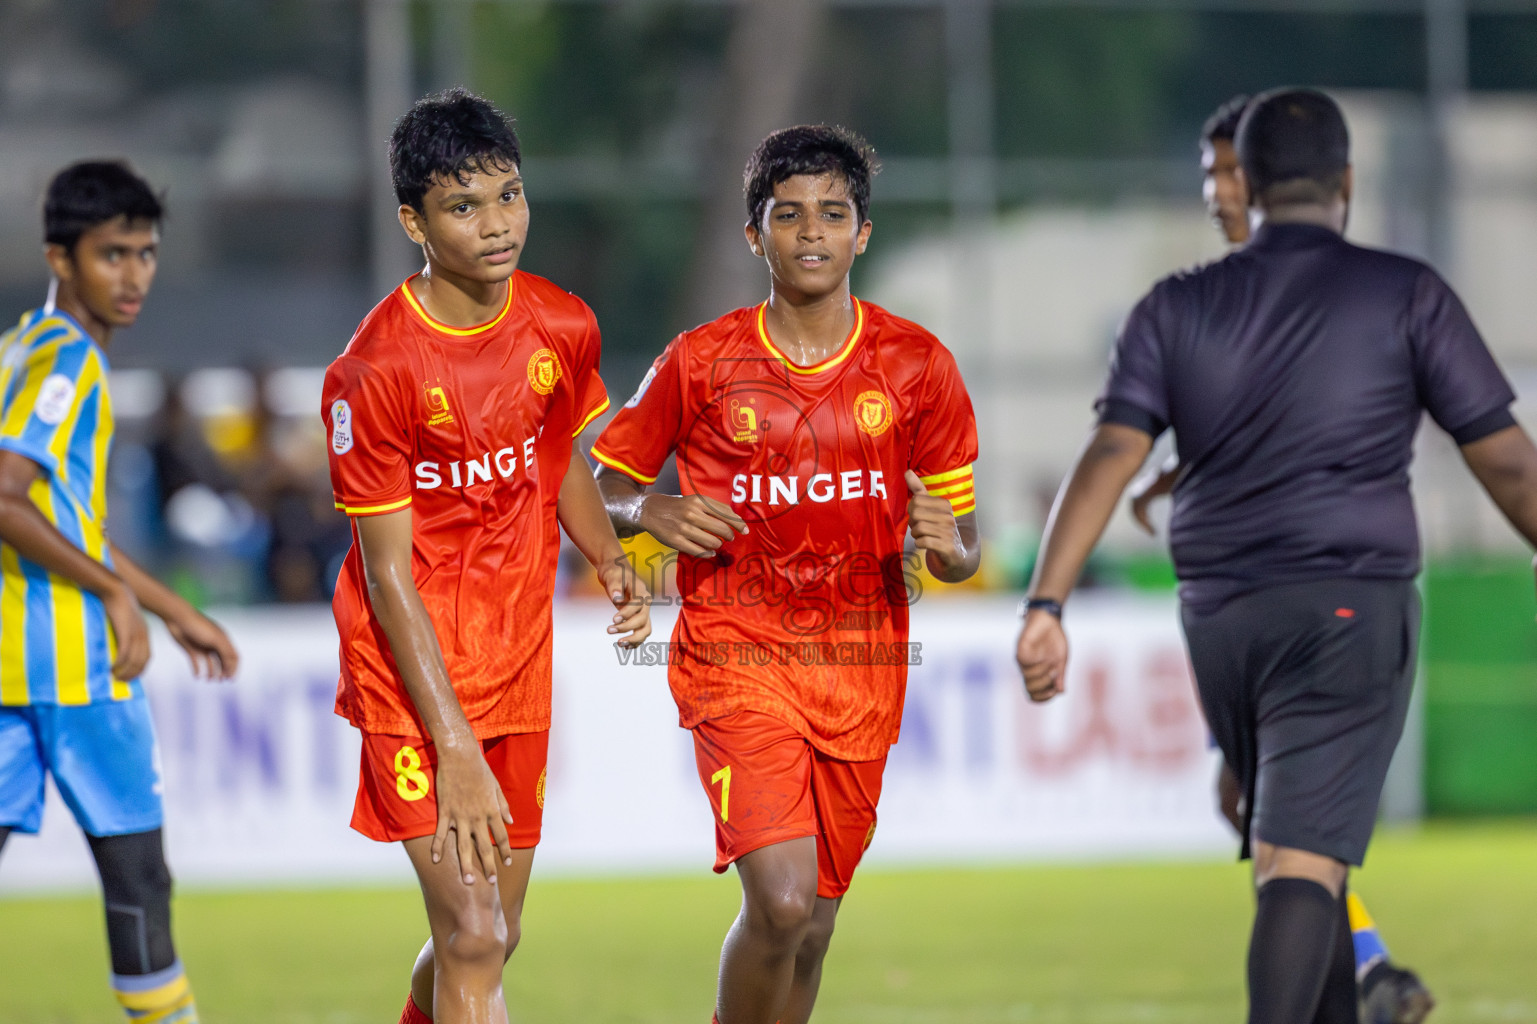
<point x="452" y="416"/>
<point x="812" y="432"/>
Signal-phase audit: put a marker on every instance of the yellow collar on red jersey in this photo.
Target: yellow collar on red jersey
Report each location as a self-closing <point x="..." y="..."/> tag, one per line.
<point x="826" y="364"/>
<point x="438" y="325"/>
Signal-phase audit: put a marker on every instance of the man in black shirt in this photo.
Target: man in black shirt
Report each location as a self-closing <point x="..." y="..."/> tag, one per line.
<point x="1389" y="994"/>
<point x="1294" y="373"/>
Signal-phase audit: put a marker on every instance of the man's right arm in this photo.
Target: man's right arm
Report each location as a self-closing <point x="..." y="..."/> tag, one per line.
<point x="1088" y="498"/>
<point x="691" y="523"/>
<point x="470" y="802"/>
<point x="24" y="527"/>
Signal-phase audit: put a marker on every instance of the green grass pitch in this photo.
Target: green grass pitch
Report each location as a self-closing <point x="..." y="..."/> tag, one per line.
<point x="1097" y="944"/>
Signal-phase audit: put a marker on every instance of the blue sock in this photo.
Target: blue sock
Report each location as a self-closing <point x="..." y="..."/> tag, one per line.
<point x="1370" y="950"/>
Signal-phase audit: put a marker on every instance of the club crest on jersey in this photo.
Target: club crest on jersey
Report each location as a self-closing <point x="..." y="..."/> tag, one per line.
<point x="742" y="421"/>
<point x="543" y="371"/>
<point x="437" y="407"/>
<point x="872" y="413"/>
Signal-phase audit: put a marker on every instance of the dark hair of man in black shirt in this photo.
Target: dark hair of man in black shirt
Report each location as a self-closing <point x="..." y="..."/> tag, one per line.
<point x="1293" y="146"/>
<point x="813" y="149"/>
<point x="92" y="192"/>
<point x="1222" y="125"/>
<point x="449" y="135"/>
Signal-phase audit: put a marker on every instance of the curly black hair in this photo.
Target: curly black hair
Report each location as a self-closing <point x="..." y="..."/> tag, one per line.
<point x="809" y="149"/>
<point x="450" y="134"/>
<point x="93" y="192"/>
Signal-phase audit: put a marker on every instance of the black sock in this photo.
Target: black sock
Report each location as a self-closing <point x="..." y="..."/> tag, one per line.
<point x="1290" y="950"/>
<point x="1339" y="1003"/>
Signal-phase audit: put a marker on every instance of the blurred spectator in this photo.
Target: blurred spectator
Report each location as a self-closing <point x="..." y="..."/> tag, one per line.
<point x="289" y="483"/>
<point x="241" y="488"/>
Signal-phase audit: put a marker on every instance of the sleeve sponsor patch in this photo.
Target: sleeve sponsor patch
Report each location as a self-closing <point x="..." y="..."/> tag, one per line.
<point x="55" y="398"/>
<point x="341" y="427"/>
<point x="640" y="392"/>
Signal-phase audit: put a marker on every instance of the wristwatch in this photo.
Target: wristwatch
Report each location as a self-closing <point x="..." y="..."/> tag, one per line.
<point x="1044" y="604"/>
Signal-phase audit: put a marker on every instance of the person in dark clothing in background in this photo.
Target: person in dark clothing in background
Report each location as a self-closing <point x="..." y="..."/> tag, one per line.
<point x="1294" y="374"/>
<point x="1390" y="994"/>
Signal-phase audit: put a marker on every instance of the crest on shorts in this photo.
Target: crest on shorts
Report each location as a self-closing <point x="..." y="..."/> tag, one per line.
<point x="543" y="371"/>
<point x="872" y="413"/>
<point x="438" y="412"/>
<point x="742" y="421"/>
<point x="539" y="789"/>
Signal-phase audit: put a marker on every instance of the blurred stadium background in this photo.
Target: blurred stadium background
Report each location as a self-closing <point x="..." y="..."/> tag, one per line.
<point x="1040" y="172"/>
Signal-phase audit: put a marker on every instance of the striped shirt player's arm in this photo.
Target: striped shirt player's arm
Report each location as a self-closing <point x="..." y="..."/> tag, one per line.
<point x="52" y="396"/>
<point x="368" y="436"/>
<point x="43" y="410"/>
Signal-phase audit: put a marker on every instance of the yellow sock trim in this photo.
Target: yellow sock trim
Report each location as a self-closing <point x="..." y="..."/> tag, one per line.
<point x="171" y="1003"/>
<point x="1360" y="920"/>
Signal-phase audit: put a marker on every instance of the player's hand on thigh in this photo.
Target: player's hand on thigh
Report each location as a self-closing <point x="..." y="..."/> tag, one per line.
<point x="131" y="631"/>
<point x="631" y="599"/>
<point x="691" y="523"/>
<point x="1042" y="655"/>
<point x="472" y="806"/>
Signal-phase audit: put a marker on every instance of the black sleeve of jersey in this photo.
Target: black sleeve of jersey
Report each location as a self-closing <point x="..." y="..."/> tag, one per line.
<point x="1459" y="382"/>
<point x="1137" y="366"/>
<point x="1113" y="410"/>
<point x="1485" y="425"/>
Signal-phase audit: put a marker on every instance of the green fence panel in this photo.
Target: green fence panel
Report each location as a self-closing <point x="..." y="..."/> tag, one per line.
<point x="1480" y="658"/>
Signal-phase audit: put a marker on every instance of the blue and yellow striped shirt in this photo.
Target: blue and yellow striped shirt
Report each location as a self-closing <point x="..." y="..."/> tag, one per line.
<point x="55" y="643"/>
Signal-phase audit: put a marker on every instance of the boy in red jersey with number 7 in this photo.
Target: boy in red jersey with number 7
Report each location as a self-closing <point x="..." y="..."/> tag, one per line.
<point x="452" y="415"/>
<point x="812" y="433"/>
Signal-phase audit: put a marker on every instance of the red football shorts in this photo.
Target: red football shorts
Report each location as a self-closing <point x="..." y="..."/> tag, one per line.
<point x="768" y="785"/>
<point x="397" y="795"/>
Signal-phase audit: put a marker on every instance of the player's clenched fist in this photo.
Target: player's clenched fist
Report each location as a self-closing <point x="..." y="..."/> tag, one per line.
<point x="692" y="523"/>
<point x="630" y="597"/>
<point x="1042" y="655"/>
<point x="931" y="520"/>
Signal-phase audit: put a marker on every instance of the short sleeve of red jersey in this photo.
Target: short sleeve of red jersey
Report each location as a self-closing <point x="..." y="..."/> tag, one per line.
<point x="945" y="434"/>
<point x="591" y="396"/>
<point x="368" y="434"/>
<point x="641" y="435"/>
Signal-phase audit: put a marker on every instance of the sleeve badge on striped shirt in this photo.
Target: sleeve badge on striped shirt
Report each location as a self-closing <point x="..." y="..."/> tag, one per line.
<point x="54" y="399"/>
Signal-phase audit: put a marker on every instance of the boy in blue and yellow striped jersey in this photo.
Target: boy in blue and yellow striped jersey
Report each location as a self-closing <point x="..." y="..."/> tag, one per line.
<point x="72" y="634"/>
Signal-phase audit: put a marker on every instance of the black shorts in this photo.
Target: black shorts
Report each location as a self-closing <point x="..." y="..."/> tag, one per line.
<point x="1305" y="688"/>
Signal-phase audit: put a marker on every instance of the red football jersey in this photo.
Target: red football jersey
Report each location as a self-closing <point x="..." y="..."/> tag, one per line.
<point x="472" y="429"/>
<point x="804" y="617"/>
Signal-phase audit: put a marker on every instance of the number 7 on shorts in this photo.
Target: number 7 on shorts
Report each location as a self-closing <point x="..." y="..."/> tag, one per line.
<point x="724" y="778"/>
